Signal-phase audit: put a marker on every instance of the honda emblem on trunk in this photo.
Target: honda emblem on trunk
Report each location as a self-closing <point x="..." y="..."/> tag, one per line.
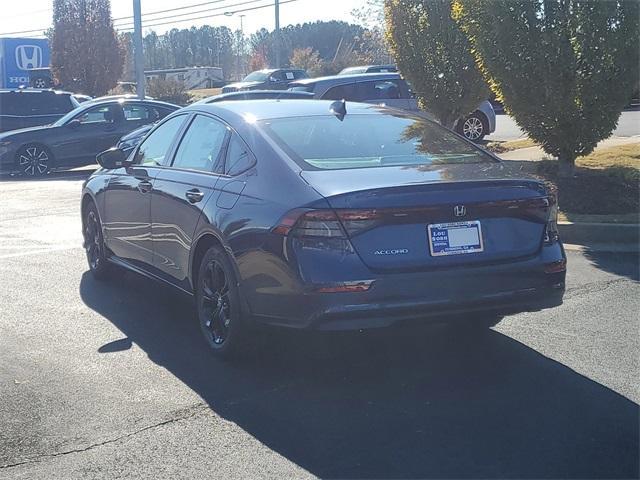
<point x="459" y="211"/>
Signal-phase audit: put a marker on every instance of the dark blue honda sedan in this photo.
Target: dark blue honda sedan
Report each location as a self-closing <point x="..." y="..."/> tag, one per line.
<point x="322" y="215"/>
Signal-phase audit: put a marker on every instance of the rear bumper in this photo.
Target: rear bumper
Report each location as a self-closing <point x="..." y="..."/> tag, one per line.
<point x="352" y="317"/>
<point x="434" y="295"/>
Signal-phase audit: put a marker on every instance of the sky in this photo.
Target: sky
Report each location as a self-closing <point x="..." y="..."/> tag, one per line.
<point x="18" y="16"/>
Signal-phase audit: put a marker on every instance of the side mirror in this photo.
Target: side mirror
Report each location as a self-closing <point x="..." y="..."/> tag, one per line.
<point x="73" y="124"/>
<point x="112" y="158"/>
<point x="273" y="79"/>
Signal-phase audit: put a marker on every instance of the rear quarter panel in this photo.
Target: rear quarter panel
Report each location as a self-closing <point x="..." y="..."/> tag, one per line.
<point x="272" y="187"/>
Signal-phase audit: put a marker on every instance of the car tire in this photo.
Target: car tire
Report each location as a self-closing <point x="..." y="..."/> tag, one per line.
<point x="218" y="305"/>
<point x="34" y="160"/>
<point x="94" y="244"/>
<point x="474" y="127"/>
<point x="42" y="83"/>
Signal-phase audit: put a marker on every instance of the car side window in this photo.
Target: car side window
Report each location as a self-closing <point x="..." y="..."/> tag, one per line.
<point x="201" y="145"/>
<point x="140" y="113"/>
<point x="100" y="114"/>
<point x="154" y="149"/>
<point x="378" y="90"/>
<point x="239" y="158"/>
<point x="387" y="89"/>
<point x="339" y="92"/>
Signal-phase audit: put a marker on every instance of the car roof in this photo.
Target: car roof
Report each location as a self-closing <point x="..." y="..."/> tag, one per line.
<point x="250" y="93"/>
<point x="34" y="90"/>
<point x="124" y="95"/>
<point x="98" y="101"/>
<point x="348" y="78"/>
<point x="271" y="70"/>
<point x="270" y="108"/>
<point x="366" y="67"/>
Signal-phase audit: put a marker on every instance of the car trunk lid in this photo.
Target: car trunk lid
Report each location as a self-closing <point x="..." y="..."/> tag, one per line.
<point x="387" y="213"/>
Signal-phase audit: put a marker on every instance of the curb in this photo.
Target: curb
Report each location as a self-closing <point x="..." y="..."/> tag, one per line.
<point x="617" y="235"/>
<point x="602" y="248"/>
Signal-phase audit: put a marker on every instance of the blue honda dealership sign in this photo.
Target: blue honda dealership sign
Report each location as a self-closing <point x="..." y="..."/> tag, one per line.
<point x="18" y="56"/>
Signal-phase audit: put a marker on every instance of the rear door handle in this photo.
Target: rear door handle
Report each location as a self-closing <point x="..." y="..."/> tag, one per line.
<point x="194" y="195"/>
<point x="145" y="186"/>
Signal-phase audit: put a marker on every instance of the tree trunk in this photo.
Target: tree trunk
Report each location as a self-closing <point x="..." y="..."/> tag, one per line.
<point x="567" y="165"/>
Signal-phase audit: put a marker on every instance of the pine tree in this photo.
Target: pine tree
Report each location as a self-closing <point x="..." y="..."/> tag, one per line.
<point x="86" y="55"/>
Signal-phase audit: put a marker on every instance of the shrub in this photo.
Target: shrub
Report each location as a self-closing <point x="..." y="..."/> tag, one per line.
<point x="168" y="91"/>
<point x="564" y="69"/>
<point x="434" y="55"/>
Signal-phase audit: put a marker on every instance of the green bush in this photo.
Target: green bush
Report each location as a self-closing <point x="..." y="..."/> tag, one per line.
<point x="168" y="91"/>
<point x="564" y="69"/>
<point x="434" y="55"/>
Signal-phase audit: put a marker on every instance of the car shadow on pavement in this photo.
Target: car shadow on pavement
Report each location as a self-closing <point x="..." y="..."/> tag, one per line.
<point x="409" y="402"/>
<point x="77" y="174"/>
<point x="622" y="264"/>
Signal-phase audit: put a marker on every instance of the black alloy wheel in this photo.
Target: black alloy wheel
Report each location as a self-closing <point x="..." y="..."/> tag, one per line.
<point x="40" y="83"/>
<point x="94" y="244"/>
<point x="34" y="160"/>
<point x="218" y="303"/>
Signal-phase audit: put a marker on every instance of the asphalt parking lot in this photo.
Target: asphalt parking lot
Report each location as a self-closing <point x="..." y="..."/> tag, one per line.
<point x="112" y="380"/>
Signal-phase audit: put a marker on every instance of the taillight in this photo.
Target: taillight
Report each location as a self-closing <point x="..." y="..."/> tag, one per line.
<point x="315" y="229"/>
<point x="551" y="229"/>
<point x="303" y="223"/>
<point x="327" y="223"/>
<point x="358" y="221"/>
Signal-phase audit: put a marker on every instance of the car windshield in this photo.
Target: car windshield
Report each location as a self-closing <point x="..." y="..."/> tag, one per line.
<point x="369" y="140"/>
<point x="258" y="76"/>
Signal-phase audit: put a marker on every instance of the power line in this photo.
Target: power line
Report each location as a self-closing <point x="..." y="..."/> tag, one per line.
<point x="173" y="9"/>
<point x="26" y="31"/>
<point x="37" y="30"/>
<point x="123" y="28"/>
<point x="224" y="7"/>
<point x="23" y="14"/>
<point x="209" y="16"/>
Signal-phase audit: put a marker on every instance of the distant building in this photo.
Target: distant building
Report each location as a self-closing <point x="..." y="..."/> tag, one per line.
<point x="192" y="78"/>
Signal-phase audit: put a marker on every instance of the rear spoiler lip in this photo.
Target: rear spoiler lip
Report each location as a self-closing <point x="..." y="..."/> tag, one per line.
<point x="531" y="184"/>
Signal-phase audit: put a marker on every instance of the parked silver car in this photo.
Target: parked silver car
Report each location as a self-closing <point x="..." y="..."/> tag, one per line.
<point x="391" y="90"/>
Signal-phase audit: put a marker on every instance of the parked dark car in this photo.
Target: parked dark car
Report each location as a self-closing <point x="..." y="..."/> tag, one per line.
<point x="22" y="108"/>
<point x="258" y="95"/>
<point x="76" y="138"/>
<point x="368" y="69"/>
<point x="270" y="79"/>
<point x="41" y="78"/>
<point x="129" y="141"/>
<point x="391" y="90"/>
<point x="323" y="216"/>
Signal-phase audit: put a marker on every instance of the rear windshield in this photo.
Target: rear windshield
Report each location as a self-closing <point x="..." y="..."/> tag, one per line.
<point x="377" y="140"/>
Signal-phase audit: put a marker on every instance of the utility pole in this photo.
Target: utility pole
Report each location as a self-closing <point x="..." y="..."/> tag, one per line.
<point x="277" y="5"/>
<point x="137" y="48"/>
<point x="240" y="48"/>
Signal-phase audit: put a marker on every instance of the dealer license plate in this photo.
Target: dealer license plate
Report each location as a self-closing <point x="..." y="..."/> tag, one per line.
<point x="455" y="238"/>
